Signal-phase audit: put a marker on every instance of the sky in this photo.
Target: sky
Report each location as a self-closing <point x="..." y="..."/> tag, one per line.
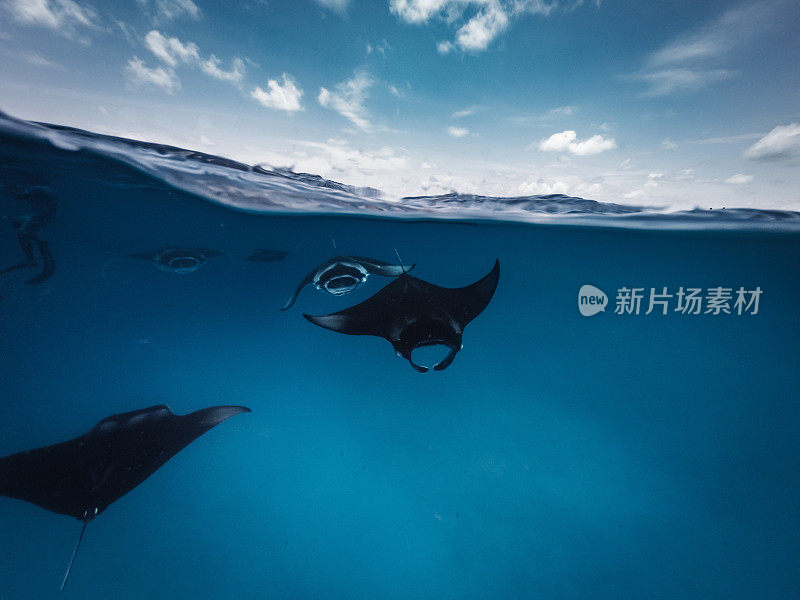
<point x="679" y="104"/>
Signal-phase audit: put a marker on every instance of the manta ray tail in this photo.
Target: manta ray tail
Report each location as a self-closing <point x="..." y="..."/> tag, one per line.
<point x="74" y="554"/>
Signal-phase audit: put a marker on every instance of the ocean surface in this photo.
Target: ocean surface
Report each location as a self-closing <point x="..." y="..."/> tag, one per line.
<point x="623" y="421"/>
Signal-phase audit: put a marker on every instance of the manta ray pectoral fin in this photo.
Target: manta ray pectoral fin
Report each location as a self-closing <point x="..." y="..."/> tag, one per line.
<point x="466" y="303"/>
<point x="25" y="265"/>
<point x="306" y="280"/>
<point x="49" y="266"/>
<point x="335" y="322"/>
<point x="211" y="417"/>
<point x="390" y="270"/>
<point x="378" y="267"/>
<point x="83" y="476"/>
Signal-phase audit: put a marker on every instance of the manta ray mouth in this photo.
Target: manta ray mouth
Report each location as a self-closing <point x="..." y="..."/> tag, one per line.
<point x="184" y="264"/>
<point x="441" y="346"/>
<point x="341" y="285"/>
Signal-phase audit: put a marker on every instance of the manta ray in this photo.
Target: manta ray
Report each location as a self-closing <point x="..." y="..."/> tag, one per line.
<point x="83" y="476"/>
<point x="43" y="210"/>
<point x="411" y="313"/>
<point x="343" y="274"/>
<point x="178" y="260"/>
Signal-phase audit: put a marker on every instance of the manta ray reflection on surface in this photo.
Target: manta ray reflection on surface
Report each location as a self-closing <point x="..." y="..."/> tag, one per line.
<point x="43" y="210"/>
<point x="83" y="476"/>
<point x="178" y="260"/>
<point x="411" y="313"/>
<point x="343" y="274"/>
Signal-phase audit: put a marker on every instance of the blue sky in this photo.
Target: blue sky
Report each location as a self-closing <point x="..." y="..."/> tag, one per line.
<point x="679" y="103"/>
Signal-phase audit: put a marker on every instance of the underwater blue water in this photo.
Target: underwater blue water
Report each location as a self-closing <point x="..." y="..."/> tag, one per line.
<point x="560" y="456"/>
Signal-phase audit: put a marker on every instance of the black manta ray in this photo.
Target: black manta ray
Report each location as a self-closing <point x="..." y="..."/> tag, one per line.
<point x="343" y="274"/>
<point x="411" y="313"/>
<point x="83" y="476"/>
<point x="178" y="260"/>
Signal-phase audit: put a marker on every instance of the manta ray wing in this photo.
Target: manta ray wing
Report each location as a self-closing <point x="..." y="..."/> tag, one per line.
<point x="306" y="281"/>
<point x="465" y="303"/>
<point x="377" y="315"/>
<point x="83" y="476"/>
<point x="378" y="267"/>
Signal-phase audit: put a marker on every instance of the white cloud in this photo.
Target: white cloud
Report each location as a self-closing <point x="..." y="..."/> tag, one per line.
<point x="481" y="21"/>
<point x="567" y="141"/>
<point x="457" y="131"/>
<point x="445" y="47"/>
<point x="211" y="67"/>
<point x="739" y="179"/>
<point x="417" y="11"/>
<point x="679" y="65"/>
<point x="171" y="50"/>
<point x="337" y="5"/>
<point x="653" y="179"/>
<point x="541" y="187"/>
<point x="348" y="99"/>
<point x="140" y="74"/>
<point x="38" y="60"/>
<point x="563" y="111"/>
<point x="718" y="37"/>
<point x="335" y="160"/>
<point x="460" y="114"/>
<point x="381" y="48"/>
<point x="668" y="144"/>
<point x="729" y="139"/>
<point x="668" y="81"/>
<point x="781" y="143"/>
<point x="163" y="11"/>
<point x="482" y="29"/>
<point x="64" y="16"/>
<point x="281" y="97"/>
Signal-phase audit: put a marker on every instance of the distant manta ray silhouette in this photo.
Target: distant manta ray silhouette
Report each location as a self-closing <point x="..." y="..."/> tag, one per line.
<point x="169" y="258"/>
<point x="43" y="210"/>
<point x="343" y="274"/>
<point x="83" y="476"/>
<point x="178" y="260"/>
<point x="411" y="313"/>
